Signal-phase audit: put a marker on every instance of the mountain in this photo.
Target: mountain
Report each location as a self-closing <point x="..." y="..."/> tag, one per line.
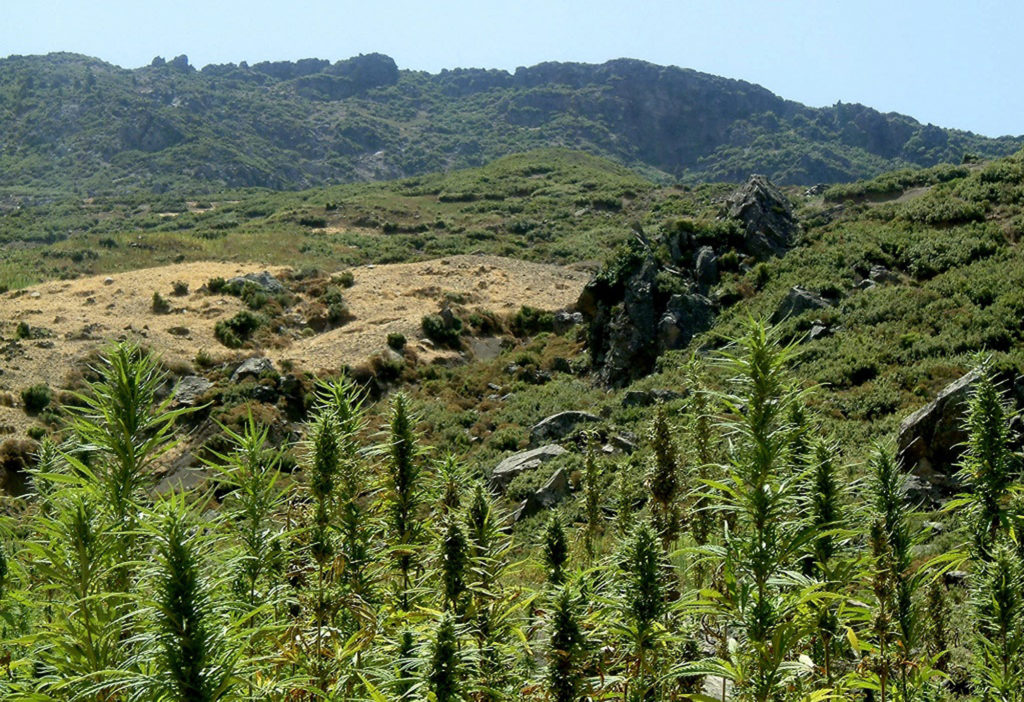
<point x="73" y="123"/>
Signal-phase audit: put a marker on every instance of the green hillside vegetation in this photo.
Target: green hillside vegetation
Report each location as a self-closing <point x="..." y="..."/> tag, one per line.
<point x="371" y="561"/>
<point x="73" y="124"/>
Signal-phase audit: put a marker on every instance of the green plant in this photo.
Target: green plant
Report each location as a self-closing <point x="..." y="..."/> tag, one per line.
<point x="36" y="398"/>
<point x="564" y="673"/>
<point x="396" y="341"/>
<point x="235" y="331"/>
<point x="160" y="305"/>
<point x="442" y="330"/>
<point x="555" y="550"/>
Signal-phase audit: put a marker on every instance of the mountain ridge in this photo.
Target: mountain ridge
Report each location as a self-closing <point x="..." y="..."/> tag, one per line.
<point x="70" y="122"/>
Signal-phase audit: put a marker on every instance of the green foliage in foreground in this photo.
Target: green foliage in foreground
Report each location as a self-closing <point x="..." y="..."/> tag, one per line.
<point x="380" y="574"/>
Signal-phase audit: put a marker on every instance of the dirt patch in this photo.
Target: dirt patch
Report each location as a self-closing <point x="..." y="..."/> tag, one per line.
<point x="69" y="319"/>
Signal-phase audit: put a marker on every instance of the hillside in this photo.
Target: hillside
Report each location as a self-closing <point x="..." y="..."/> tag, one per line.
<point x="69" y="123"/>
<point x="552" y="479"/>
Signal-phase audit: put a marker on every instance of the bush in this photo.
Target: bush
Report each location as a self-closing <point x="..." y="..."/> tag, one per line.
<point x="23" y="331"/>
<point x="160" y="305"/>
<point x="396" y="341"/>
<point x="529" y="321"/>
<point x="234" y="332"/>
<point x="36" y="398"/>
<point x="445" y="333"/>
<point x="203" y="359"/>
<point x="179" y="288"/>
<point x="216" y="285"/>
<point x="345" y="279"/>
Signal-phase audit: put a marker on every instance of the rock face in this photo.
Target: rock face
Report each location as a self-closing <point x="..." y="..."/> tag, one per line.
<point x="658" y="296"/>
<point x="930" y="440"/>
<point x="797" y="301"/>
<point x="766" y="216"/>
<point x="554" y="491"/>
<point x="558" y="426"/>
<point x="519" y="463"/>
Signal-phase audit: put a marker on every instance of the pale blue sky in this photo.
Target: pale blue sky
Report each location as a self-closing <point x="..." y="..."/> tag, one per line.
<point x="955" y="64"/>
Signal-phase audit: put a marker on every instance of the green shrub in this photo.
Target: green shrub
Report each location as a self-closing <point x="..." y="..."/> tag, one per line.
<point x="529" y="321"/>
<point x="36" y="398"/>
<point x="345" y="279"/>
<point x="179" y="288"/>
<point x="234" y="332"/>
<point x="160" y="305"/>
<point x="396" y="341"/>
<point x="441" y="332"/>
<point x="216" y="285"/>
<point x="23" y="331"/>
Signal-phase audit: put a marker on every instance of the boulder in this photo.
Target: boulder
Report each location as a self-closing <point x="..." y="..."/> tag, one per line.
<point x="190" y="388"/>
<point x="881" y="274"/>
<point x="519" y="463"/>
<point x="797" y="301"/>
<point x="766" y="216"/>
<point x="685" y="316"/>
<point x="255" y="366"/>
<point x="554" y="491"/>
<point x="558" y="426"/>
<point x="705" y="267"/>
<point x="931" y="439"/>
<point x="263" y="280"/>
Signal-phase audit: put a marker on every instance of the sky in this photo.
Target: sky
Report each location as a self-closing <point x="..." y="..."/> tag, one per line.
<point x="954" y="64"/>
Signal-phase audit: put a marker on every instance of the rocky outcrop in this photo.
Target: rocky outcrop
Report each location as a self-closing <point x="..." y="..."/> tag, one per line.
<point x="797" y="301"/>
<point x="766" y="216"/>
<point x="555" y="490"/>
<point x="263" y="280"/>
<point x="658" y="297"/>
<point x="558" y="426"/>
<point x="252" y="367"/>
<point x="190" y="388"/>
<point x="517" y="464"/>
<point x="931" y="439"/>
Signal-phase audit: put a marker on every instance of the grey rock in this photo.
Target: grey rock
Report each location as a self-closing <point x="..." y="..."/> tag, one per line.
<point x="881" y="274"/>
<point x="684" y="317"/>
<point x="930" y="440"/>
<point x="819" y="331"/>
<point x="865" y="284"/>
<point x="263" y="280"/>
<point x="797" y="301"/>
<point x="554" y="491"/>
<point x="706" y="266"/>
<point x="190" y="388"/>
<point x="256" y="366"/>
<point x="766" y="216"/>
<point x="519" y="463"/>
<point x="558" y="426"/>
<point x="265" y="393"/>
<point x="564" y="321"/>
<point x="956" y="578"/>
<point x="625" y="442"/>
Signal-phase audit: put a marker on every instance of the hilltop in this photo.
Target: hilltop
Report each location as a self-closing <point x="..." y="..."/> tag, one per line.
<point x="73" y="123"/>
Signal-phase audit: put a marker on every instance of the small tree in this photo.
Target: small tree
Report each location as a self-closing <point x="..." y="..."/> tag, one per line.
<point x="555" y="550"/>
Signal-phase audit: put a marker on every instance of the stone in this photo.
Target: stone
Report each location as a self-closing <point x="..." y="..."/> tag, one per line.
<point x="190" y="388"/>
<point x="865" y="284"/>
<point x="255" y="366"/>
<point x="705" y="266"/>
<point x="881" y="274"/>
<point x="797" y="301"/>
<point x="179" y="331"/>
<point x="555" y="490"/>
<point x="108" y="280"/>
<point x="263" y="280"/>
<point x="564" y="321"/>
<point x="819" y="331"/>
<point x="766" y="216"/>
<point x="624" y="441"/>
<point x="519" y="463"/>
<point x="684" y="317"/>
<point x="646" y="398"/>
<point x="930" y="441"/>
<point x="558" y="426"/>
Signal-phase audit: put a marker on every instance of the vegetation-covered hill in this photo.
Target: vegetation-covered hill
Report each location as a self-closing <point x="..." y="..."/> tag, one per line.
<point x="734" y="523"/>
<point x="72" y="123"/>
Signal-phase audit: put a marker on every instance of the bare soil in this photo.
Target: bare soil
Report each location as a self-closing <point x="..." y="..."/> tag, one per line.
<point x="70" y="319"/>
